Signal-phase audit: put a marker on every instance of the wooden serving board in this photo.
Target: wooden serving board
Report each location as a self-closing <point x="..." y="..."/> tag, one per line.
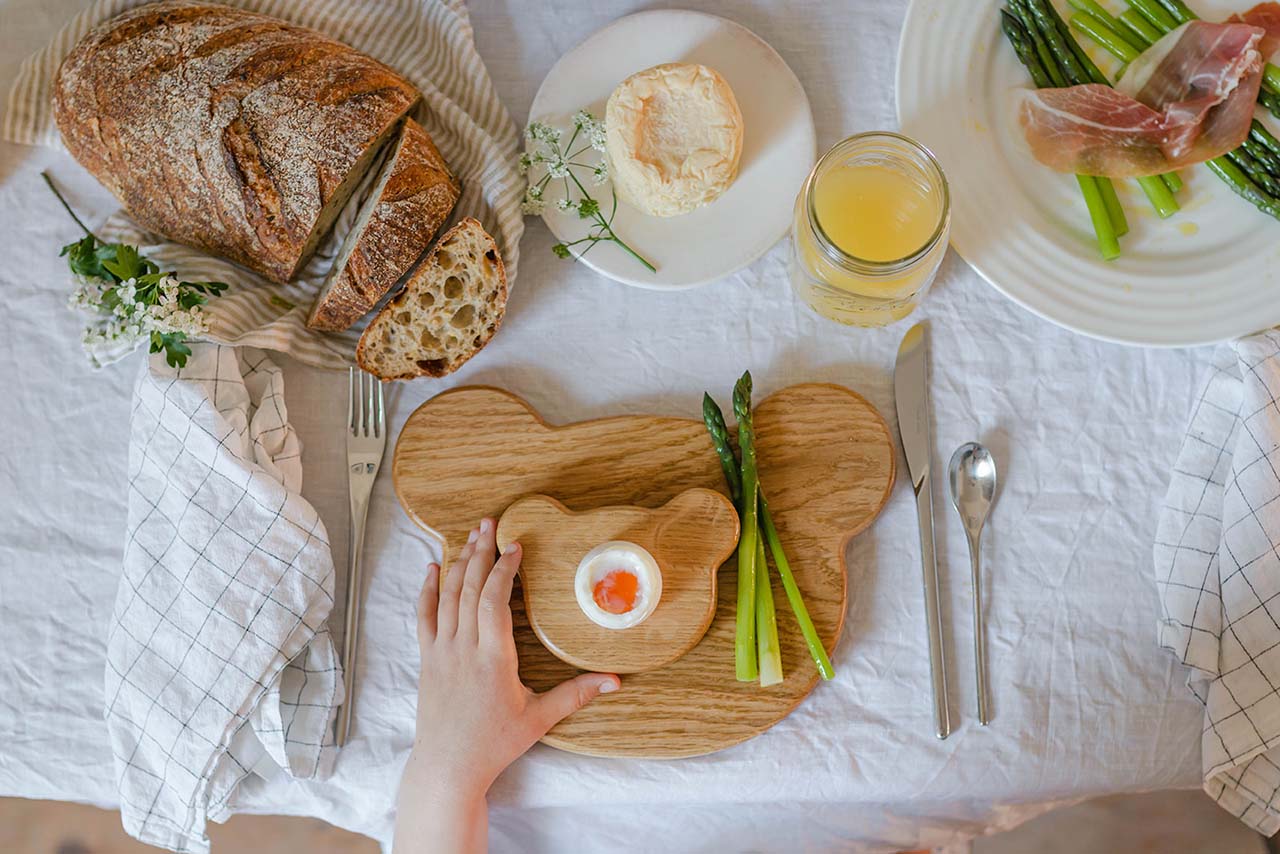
<point x="826" y="463"/>
<point x="689" y="537"/>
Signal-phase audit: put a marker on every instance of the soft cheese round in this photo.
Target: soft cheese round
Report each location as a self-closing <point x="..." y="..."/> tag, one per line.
<point x="674" y="137"/>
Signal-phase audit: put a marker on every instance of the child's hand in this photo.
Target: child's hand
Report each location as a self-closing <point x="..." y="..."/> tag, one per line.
<point x="474" y="715"/>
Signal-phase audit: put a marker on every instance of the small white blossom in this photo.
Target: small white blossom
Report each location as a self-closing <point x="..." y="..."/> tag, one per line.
<point x="526" y="160"/>
<point x="542" y="132"/>
<point x="564" y="205"/>
<point x="533" y="204"/>
<point x="558" y="167"/>
<point x="600" y="174"/>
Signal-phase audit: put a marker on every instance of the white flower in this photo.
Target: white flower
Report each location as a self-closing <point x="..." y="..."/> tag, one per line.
<point x="564" y="205"/>
<point x="558" y="167"/>
<point x="533" y="204"/>
<point x="600" y="174"/>
<point x="526" y="160"/>
<point x="542" y="132"/>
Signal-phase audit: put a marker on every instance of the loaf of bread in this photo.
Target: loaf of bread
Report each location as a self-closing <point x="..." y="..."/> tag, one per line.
<point x="227" y="130"/>
<point x="450" y="307"/>
<point x="413" y="196"/>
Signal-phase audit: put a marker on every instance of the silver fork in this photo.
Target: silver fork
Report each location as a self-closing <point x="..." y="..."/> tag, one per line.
<point x="366" y="440"/>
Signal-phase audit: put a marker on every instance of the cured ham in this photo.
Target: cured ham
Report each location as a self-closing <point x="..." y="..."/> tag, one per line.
<point x="1266" y="16"/>
<point x="1187" y="99"/>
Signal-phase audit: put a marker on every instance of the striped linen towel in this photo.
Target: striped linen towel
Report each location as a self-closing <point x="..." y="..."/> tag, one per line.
<point x="432" y="44"/>
<point x="1217" y="565"/>
<point x="219" y="661"/>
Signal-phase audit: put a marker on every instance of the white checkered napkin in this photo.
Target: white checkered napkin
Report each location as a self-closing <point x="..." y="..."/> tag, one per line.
<point x="1217" y="566"/>
<point x="218" y="654"/>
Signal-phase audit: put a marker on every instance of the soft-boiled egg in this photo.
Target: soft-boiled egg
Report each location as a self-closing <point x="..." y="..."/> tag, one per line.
<point x="618" y="585"/>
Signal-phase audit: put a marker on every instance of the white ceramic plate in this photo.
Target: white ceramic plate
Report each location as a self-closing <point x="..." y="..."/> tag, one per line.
<point x="777" y="153"/>
<point x="1210" y="272"/>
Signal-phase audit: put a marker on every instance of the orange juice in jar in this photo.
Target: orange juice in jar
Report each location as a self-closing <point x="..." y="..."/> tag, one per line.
<point x="871" y="227"/>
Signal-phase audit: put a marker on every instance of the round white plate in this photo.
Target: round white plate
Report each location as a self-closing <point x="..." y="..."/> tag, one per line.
<point x="1210" y="272"/>
<point x="777" y="152"/>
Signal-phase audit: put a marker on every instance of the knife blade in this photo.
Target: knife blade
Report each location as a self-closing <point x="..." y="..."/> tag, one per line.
<point x="911" y="398"/>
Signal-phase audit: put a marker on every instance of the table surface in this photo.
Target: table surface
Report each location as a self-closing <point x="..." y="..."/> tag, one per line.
<point x="1084" y="433"/>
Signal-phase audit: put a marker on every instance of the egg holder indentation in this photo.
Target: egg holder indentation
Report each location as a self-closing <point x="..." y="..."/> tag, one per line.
<point x="690" y="537"/>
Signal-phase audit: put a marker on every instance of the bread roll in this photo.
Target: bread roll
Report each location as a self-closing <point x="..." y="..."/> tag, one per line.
<point x="227" y="130"/>
<point x="674" y="137"/>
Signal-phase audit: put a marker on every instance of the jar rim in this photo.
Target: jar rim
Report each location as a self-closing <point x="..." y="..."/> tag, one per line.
<point x="865" y="266"/>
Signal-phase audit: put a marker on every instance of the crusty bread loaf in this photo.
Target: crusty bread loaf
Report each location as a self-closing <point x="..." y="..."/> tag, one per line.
<point x="227" y="130"/>
<point x="412" y="198"/>
<point x="448" y="310"/>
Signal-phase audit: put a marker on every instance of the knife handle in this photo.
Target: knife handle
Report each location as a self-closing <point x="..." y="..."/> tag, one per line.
<point x="932" y="609"/>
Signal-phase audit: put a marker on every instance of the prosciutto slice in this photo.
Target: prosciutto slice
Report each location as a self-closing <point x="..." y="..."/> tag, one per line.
<point x="1266" y="16"/>
<point x="1187" y="99"/>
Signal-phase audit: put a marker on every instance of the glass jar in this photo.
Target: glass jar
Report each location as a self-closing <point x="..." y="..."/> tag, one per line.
<point x="885" y="197"/>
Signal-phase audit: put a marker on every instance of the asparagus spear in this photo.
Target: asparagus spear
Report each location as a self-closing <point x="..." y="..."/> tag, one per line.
<point x="1256" y="172"/>
<point x="1034" y="55"/>
<point x="1155" y="14"/>
<point x="1143" y="31"/>
<point x="714" y="420"/>
<point x="1108" y="38"/>
<point x="811" y="639"/>
<point x="767" y="649"/>
<point x="1244" y="186"/>
<point x="745" y="663"/>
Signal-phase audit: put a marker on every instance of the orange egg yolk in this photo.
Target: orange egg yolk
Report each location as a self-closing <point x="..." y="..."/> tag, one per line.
<point x="616" y="592"/>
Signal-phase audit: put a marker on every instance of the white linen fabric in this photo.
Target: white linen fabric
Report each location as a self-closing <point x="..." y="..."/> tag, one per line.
<point x="1217" y="568"/>
<point x="1085" y="702"/>
<point x="430" y="42"/>
<point x="217" y="647"/>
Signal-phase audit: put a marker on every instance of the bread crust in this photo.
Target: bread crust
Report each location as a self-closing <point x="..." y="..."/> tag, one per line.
<point x="432" y="276"/>
<point x="417" y="198"/>
<point x="226" y="130"/>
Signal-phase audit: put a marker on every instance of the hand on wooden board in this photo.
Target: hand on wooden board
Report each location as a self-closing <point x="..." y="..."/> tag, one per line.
<point x="475" y="716"/>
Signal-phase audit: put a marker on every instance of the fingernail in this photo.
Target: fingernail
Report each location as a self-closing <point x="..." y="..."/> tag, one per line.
<point x="486" y="526"/>
<point x="433" y="567"/>
<point x="471" y="538"/>
<point x="511" y="549"/>
<point x="609" y="687"/>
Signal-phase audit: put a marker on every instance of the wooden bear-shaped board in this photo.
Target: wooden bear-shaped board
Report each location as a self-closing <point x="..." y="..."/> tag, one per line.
<point x="826" y="463"/>
<point x="689" y="537"/>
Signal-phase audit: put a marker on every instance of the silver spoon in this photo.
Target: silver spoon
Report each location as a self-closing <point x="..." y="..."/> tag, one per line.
<point x="972" y="475"/>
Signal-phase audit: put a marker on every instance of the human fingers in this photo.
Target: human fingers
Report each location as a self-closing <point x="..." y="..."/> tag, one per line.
<point x="429" y="604"/>
<point x="478" y="568"/>
<point x="451" y="588"/>
<point x="495" y="598"/>
<point x="572" y="694"/>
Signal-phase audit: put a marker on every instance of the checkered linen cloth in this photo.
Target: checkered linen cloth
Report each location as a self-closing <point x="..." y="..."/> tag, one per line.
<point x="219" y="661"/>
<point x="1218" y="572"/>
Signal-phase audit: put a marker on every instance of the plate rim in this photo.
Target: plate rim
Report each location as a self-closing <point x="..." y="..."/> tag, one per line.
<point x="755" y="254"/>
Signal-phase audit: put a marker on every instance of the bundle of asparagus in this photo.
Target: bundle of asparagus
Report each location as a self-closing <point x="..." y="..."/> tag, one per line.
<point x="1253" y="169"/>
<point x="756" y="650"/>
<point x="1052" y="57"/>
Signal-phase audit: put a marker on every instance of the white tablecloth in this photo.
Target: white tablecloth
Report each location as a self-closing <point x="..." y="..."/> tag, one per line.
<point x="1084" y="701"/>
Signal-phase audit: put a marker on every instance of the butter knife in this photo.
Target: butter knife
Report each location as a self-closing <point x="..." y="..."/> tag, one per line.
<point x="911" y="393"/>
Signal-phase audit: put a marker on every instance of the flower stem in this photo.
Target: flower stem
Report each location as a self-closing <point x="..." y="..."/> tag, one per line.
<point x="83" y="227"/>
<point x="632" y="252"/>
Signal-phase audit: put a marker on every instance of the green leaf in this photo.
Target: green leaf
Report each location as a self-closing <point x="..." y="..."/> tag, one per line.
<point x="561" y="251"/>
<point x="127" y="264"/>
<point x="85" y="257"/>
<point x="588" y="207"/>
<point x="175" y="350"/>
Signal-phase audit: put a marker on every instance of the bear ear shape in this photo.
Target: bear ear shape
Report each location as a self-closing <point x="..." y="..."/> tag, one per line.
<point x="699" y="524"/>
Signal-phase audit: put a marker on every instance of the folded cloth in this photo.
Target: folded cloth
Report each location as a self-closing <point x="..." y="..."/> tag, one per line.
<point x="218" y="655"/>
<point x="1218" y="574"/>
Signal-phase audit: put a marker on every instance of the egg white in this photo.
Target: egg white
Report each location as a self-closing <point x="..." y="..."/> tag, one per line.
<point x="603" y="559"/>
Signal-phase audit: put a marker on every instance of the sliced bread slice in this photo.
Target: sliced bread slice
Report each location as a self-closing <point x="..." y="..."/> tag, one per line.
<point x="450" y="307"/>
<point x="413" y="196"/>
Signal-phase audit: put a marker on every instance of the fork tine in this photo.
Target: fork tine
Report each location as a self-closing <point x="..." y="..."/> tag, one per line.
<point x="382" y="413"/>
<point x="351" y="385"/>
<point x="370" y="427"/>
<point x="360" y="431"/>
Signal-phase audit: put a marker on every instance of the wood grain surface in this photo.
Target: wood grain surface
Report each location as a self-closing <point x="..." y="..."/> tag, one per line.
<point x="826" y="463"/>
<point x="689" y="537"/>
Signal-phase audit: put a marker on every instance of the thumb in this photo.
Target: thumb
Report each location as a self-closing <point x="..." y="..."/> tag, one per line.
<point x="572" y="694"/>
